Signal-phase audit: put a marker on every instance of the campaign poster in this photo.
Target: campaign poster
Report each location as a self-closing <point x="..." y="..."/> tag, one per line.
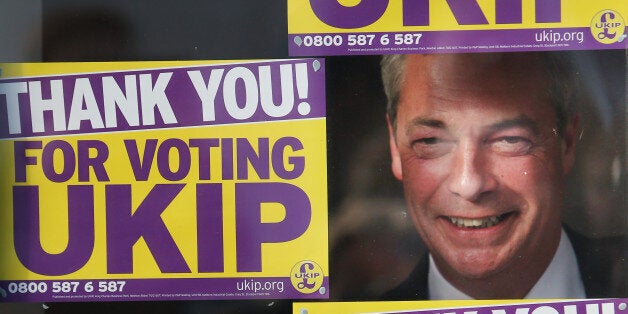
<point x="146" y="181"/>
<point x="383" y="255"/>
<point x="598" y="306"/>
<point x="353" y="27"/>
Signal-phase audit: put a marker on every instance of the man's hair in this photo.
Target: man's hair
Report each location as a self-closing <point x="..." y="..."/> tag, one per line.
<point x="559" y="70"/>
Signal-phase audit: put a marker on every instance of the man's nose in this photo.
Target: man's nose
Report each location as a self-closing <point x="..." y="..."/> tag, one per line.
<point x="470" y="175"/>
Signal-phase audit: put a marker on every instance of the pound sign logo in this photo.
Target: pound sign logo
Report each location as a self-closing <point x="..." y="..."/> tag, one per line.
<point x="306" y="277"/>
<point x="608" y="27"/>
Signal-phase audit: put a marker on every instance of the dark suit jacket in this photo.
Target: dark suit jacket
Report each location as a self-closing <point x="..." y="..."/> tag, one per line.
<point x="602" y="264"/>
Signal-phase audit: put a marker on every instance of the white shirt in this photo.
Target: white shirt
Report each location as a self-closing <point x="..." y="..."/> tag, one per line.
<point x="561" y="279"/>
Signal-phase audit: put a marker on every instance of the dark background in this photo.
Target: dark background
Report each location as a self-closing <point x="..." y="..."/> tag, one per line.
<point x="372" y="245"/>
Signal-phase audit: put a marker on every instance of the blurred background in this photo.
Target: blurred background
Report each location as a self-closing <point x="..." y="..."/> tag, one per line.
<point x="373" y="245"/>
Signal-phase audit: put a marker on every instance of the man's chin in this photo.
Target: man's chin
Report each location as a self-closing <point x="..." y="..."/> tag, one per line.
<point x="476" y="274"/>
<point x="477" y="265"/>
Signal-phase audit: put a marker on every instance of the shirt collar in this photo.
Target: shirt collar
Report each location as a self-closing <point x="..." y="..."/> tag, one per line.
<point x="561" y="279"/>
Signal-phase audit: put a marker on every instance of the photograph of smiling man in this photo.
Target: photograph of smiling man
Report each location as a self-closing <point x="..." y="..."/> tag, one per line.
<point x="482" y="144"/>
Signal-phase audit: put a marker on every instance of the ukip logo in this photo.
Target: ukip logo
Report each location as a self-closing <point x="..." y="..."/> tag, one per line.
<point x="307" y="277"/>
<point x="608" y="27"/>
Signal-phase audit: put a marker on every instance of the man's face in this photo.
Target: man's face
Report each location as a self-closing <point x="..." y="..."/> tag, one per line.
<point x="481" y="161"/>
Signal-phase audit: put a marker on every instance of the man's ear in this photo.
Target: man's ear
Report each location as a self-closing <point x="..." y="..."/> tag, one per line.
<point x="570" y="137"/>
<point x="394" y="151"/>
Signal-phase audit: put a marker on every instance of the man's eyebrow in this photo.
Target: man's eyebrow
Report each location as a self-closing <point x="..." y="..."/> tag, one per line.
<point x="420" y="121"/>
<point x="433" y="123"/>
<point x="520" y="121"/>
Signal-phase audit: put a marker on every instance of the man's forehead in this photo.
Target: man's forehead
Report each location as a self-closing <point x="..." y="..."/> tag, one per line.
<point x="504" y="85"/>
<point x="517" y="70"/>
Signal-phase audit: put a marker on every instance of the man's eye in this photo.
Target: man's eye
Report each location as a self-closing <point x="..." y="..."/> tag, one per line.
<point x="512" y="145"/>
<point x="429" y="147"/>
<point x="427" y="141"/>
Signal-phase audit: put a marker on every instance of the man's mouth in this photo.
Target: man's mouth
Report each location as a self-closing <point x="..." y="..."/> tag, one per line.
<point x="477" y="223"/>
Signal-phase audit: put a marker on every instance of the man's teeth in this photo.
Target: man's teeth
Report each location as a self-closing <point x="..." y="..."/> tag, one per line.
<point x="476" y="223"/>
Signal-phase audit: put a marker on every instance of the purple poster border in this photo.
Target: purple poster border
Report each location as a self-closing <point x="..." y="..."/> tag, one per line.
<point x="604" y="306"/>
<point x="155" y="289"/>
<point x="544" y="39"/>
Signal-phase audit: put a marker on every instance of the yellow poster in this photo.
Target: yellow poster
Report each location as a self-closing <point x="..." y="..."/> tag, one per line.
<point x="363" y="27"/>
<point x="157" y="181"/>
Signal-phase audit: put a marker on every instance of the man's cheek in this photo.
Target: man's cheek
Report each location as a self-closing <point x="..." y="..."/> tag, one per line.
<point x="420" y="182"/>
<point x="532" y="181"/>
<point x="519" y="171"/>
